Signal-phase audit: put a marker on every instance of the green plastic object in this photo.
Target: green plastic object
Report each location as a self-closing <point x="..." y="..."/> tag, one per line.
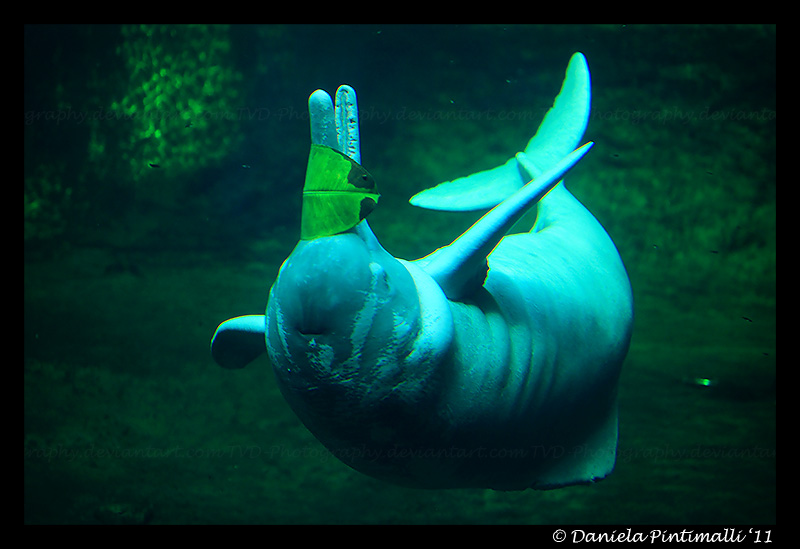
<point x="337" y="195"/>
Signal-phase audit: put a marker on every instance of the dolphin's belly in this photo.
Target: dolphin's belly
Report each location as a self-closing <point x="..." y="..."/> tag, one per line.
<point x="565" y="283"/>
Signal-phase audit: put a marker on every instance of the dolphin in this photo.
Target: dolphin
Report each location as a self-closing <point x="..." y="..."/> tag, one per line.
<point x="492" y="362"/>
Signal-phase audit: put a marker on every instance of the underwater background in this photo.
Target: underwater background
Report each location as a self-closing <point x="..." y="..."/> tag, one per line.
<point x="163" y="171"/>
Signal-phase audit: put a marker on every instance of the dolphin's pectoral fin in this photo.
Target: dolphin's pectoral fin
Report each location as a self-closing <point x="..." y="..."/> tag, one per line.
<point x="239" y="341"/>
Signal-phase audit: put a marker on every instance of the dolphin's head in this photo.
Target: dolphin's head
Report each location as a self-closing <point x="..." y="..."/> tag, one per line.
<point x="341" y="303"/>
<point x="353" y="334"/>
<point x="342" y="318"/>
<point x="335" y="287"/>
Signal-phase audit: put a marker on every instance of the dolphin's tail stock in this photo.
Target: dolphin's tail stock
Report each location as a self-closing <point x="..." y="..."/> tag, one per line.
<point x="558" y="135"/>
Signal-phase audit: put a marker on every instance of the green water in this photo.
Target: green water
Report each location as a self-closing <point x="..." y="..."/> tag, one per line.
<point x="163" y="172"/>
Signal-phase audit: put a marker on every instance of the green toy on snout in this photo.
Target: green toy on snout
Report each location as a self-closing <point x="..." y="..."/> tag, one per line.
<point x="337" y="195"/>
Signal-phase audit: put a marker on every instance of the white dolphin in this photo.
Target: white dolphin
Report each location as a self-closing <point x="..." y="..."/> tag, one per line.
<point x="492" y="362"/>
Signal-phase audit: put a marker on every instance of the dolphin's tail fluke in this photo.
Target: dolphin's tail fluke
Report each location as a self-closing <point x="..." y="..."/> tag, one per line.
<point x="559" y="134"/>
